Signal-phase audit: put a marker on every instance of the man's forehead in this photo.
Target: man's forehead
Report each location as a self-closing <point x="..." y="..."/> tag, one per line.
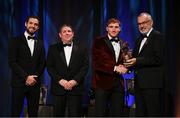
<point x="34" y="19"/>
<point x="113" y="24"/>
<point x="66" y="28"/>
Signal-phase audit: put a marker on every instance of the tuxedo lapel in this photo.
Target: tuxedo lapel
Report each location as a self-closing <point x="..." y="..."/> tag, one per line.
<point x="110" y="46"/>
<point x="26" y="45"/>
<point x="145" y="44"/>
<point x="36" y="43"/>
<point x="138" y="46"/>
<point x="147" y="41"/>
<point x="61" y="52"/>
<point x="120" y="52"/>
<point x="73" y="53"/>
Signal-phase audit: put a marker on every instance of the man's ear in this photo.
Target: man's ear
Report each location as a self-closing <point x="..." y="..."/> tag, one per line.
<point x="38" y="28"/>
<point x="59" y="34"/>
<point x="107" y="29"/>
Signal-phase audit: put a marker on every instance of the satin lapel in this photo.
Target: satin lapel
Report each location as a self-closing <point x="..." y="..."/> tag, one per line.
<point x="147" y="41"/>
<point x="73" y="53"/>
<point x="120" y="52"/>
<point x="110" y="46"/>
<point x="138" y="46"/>
<point x="145" y="44"/>
<point x="36" y="45"/>
<point x="26" y="45"/>
<point x="61" y="52"/>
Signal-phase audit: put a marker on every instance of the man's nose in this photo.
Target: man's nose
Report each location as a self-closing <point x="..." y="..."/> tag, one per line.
<point x="141" y="25"/>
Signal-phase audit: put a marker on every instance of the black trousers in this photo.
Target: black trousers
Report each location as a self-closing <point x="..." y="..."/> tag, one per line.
<point x="109" y="102"/>
<point x="73" y="103"/>
<point x="148" y="102"/>
<point x="32" y="95"/>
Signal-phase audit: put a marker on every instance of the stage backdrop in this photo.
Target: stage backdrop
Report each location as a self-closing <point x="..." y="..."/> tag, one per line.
<point x="89" y="19"/>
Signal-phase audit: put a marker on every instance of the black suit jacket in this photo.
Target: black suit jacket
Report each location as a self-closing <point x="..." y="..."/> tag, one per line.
<point x="22" y="63"/>
<point x="149" y="66"/>
<point x="58" y="69"/>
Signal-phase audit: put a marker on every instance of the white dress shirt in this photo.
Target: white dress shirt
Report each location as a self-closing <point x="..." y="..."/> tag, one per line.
<point x="144" y="40"/>
<point x="116" y="47"/>
<point x="30" y="43"/>
<point x="68" y="51"/>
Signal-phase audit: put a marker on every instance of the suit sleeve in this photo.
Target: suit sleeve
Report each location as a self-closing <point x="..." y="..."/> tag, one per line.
<point x="12" y="58"/>
<point x="51" y="65"/>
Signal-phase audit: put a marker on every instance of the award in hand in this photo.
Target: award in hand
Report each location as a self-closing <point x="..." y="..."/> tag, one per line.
<point x="126" y="52"/>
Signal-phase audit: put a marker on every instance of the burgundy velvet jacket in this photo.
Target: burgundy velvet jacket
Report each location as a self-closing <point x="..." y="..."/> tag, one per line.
<point x="103" y="62"/>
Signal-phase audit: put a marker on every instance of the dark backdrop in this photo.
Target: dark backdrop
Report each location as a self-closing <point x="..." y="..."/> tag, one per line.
<point x="89" y="19"/>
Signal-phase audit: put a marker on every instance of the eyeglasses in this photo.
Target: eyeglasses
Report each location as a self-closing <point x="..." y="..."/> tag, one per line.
<point x="143" y="23"/>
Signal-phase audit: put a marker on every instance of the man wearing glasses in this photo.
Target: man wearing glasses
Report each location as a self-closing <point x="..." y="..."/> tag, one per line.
<point x="148" y="62"/>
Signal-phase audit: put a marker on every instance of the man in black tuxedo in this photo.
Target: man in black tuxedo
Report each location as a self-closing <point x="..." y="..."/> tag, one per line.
<point x="67" y="64"/>
<point x="27" y="61"/>
<point x="148" y="63"/>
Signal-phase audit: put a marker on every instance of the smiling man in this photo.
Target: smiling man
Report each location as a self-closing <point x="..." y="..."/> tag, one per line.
<point x="67" y="64"/>
<point x="148" y="58"/>
<point x="27" y="61"/>
<point x="107" y="71"/>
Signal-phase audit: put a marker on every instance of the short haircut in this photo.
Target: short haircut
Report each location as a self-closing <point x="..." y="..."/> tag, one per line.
<point x="146" y="14"/>
<point x="113" y="20"/>
<point x="32" y="16"/>
<point x="66" y="25"/>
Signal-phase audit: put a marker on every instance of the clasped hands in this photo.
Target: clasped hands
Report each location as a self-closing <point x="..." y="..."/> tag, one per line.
<point x="121" y="69"/>
<point x="68" y="85"/>
<point x="30" y="81"/>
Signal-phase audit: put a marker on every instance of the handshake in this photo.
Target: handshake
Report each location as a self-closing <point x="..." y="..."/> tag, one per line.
<point x="123" y="68"/>
<point x="128" y="60"/>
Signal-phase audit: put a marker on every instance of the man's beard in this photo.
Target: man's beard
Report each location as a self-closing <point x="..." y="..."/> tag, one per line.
<point x="144" y="32"/>
<point x="31" y="33"/>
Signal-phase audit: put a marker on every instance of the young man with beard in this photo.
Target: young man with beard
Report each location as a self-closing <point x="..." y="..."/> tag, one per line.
<point x="27" y="61"/>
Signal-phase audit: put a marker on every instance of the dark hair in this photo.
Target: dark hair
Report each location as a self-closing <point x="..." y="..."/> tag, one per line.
<point x="32" y="16"/>
<point x="66" y="25"/>
<point x="113" y="20"/>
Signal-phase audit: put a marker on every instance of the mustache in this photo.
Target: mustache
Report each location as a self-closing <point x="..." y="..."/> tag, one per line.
<point x="30" y="32"/>
<point x="32" y="28"/>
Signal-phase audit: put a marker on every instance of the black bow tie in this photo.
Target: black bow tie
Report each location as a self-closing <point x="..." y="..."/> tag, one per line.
<point x="30" y="37"/>
<point x="69" y="44"/>
<point x="114" y="39"/>
<point x="144" y="36"/>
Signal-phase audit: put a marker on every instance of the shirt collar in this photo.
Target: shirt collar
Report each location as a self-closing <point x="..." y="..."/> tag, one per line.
<point x="26" y="34"/>
<point x="111" y="37"/>
<point x="149" y="32"/>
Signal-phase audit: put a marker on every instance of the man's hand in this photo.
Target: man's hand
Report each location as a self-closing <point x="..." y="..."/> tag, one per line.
<point x="64" y="83"/>
<point x="68" y="85"/>
<point x="121" y="69"/>
<point x="30" y="81"/>
<point x="72" y="83"/>
<point x="130" y="62"/>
